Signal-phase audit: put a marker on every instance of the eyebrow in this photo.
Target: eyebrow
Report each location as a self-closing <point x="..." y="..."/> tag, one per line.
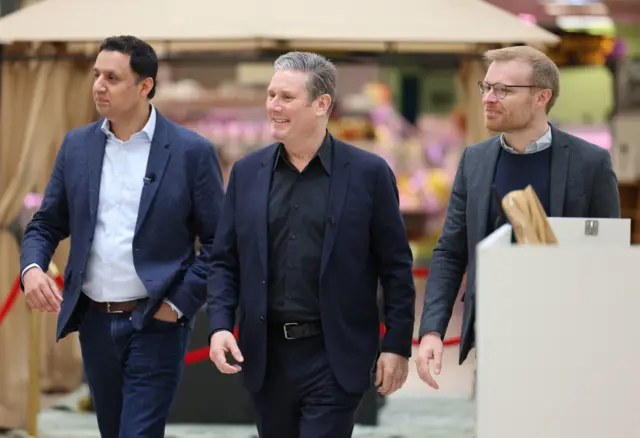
<point x="281" y="91"/>
<point x="97" y="70"/>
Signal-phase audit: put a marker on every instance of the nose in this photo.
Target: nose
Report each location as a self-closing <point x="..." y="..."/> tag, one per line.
<point x="274" y="104"/>
<point x="489" y="97"/>
<point x="98" y="85"/>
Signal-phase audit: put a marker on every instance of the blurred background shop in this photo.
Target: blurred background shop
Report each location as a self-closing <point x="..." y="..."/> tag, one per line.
<point x="407" y="90"/>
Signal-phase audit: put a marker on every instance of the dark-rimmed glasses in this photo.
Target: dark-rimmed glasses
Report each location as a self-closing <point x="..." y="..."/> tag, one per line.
<point x="500" y="90"/>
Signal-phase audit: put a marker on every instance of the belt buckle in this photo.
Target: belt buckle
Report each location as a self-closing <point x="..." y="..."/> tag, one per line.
<point x="286" y="333"/>
<point x="112" y="311"/>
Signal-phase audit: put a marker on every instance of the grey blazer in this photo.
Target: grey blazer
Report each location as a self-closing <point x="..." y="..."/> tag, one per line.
<point x="583" y="184"/>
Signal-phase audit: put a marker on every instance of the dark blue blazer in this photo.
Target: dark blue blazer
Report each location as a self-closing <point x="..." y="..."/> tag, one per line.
<point x="183" y="201"/>
<point x="365" y="242"/>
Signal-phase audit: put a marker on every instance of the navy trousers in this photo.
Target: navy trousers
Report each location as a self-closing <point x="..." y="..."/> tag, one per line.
<point x="300" y="397"/>
<point x="133" y="375"/>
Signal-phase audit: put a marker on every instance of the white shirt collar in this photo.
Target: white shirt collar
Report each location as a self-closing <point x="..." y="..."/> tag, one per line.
<point x="539" y="145"/>
<point x="148" y="130"/>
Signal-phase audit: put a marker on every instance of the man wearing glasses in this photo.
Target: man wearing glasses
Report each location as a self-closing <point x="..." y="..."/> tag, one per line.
<point x="572" y="178"/>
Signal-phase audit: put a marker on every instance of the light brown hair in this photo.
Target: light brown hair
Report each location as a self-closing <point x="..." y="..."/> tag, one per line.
<point x="545" y="73"/>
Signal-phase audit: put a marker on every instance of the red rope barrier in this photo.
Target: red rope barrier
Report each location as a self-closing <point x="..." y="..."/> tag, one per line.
<point x="420" y="272"/>
<point x="15" y="291"/>
<point x="202" y="354"/>
<point x="11" y="299"/>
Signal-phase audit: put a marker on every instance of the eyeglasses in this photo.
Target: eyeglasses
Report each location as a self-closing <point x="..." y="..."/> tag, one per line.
<point x="500" y="90"/>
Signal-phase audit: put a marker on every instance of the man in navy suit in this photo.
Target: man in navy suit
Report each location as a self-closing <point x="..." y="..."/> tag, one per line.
<point x="133" y="191"/>
<point x="309" y="226"/>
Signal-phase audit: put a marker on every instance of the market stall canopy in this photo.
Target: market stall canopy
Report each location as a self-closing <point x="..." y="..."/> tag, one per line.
<point x="402" y="25"/>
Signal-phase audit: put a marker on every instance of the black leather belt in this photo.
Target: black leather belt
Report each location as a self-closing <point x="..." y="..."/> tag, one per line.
<point x="114" y="307"/>
<point x="297" y="330"/>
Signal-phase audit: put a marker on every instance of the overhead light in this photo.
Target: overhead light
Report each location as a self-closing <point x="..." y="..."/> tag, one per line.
<point x="556" y="9"/>
<point x="585" y="23"/>
<point x="569" y="2"/>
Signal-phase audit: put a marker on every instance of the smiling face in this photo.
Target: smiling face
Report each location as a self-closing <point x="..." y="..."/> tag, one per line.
<point x="292" y="114"/>
<point x="117" y="90"/>
<point x="520" y="106"/>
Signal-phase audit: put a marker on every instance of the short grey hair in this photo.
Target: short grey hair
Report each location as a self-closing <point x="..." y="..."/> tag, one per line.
<point x="322" y="72"/>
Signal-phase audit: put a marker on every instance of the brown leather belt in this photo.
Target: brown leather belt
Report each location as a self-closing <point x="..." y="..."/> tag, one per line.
<point x="114" y="307"/>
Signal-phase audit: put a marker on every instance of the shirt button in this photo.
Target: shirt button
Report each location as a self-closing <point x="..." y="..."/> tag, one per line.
<point x="293" y="235"/>
<point x="296" y="206"/>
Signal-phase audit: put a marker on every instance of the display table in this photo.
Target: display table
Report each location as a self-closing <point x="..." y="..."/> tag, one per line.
<point x="557" y="333"/>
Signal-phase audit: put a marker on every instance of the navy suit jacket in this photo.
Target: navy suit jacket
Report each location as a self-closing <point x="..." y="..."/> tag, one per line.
<point x="365" y="242"/>
<point x="183" y="201"/>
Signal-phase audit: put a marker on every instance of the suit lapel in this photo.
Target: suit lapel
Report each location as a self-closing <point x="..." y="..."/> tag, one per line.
<point x="159" y="154"/>
<point x="559" y="166"/>
<point x="95" y="157"/>
<point x="485" y="183"/>
<point x="337" y="195"/>
<point x="263" y="184"/>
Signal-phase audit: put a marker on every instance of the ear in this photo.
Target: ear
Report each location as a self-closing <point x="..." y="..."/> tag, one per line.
<point x="544" y="97"/>
<point x="147" y="86"/>
<point x="322" y="105"/>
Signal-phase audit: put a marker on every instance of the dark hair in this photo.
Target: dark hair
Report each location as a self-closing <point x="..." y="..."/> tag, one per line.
<point x="143" y="62"/>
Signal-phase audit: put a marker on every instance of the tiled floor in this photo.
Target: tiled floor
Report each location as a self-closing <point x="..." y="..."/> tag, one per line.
<point x="416" y="411"/>
<point x="404" y="416"/>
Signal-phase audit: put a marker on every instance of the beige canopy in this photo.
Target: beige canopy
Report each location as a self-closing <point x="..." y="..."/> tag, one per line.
<point x="420" y="25"/>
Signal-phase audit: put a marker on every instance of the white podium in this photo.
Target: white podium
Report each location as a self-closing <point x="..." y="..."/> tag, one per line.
<point x="558" y="333"/>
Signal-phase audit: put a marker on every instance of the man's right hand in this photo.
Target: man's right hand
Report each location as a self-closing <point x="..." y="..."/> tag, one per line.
<point x="224" y="342"/>
<point x="41" y="291"/>
<point x="431" y="349"/>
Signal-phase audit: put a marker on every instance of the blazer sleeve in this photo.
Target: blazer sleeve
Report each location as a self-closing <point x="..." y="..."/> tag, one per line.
<point x="208" y="193"/>
<point x="50" y="224"/>
<point x="223" y="281"/>
<point x="394" y="263"/>
<point x="449" y="261"/>
<point x="605" y="197"/>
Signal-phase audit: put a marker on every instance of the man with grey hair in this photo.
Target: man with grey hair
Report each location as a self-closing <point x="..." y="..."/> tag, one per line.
<point x="309" y="226"/>
<point x="571" y="177"/>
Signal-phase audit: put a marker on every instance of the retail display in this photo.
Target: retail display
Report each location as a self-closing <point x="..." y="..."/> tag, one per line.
<point x="423" y="156"/>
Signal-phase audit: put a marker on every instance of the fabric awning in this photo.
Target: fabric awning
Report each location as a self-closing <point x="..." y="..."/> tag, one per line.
<point x="403" y="25"/>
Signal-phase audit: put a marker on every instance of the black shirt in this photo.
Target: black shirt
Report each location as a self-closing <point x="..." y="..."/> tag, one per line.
<point x="297" y="219"/>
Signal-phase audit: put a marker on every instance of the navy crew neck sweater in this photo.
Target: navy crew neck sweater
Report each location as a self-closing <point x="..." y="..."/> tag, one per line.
<point x="517" y="171"/>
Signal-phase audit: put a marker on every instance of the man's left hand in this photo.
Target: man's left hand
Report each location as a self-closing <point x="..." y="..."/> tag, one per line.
<point x="392" y="373"/>
<point x="166" y="313"/>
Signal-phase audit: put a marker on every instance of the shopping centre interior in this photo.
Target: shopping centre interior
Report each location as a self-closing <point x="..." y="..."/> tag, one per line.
<point x="407" y="91"/>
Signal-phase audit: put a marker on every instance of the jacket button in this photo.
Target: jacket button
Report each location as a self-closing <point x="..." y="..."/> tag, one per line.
<point x="262" y="318"/>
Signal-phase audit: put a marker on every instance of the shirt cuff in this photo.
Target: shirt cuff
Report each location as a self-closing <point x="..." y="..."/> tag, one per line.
<point x="175" y="309"/>
<point x="32" y="265"/>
